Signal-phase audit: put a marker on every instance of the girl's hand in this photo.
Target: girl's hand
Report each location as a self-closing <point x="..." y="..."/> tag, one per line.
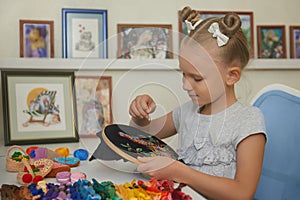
<point x="159" y="167"/>
<point x="141" y="107"/>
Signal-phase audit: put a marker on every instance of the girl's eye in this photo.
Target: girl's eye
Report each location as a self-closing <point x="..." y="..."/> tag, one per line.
<point x="198" y="79"/>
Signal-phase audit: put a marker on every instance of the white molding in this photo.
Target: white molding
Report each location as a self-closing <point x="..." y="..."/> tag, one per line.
<point x="130" y="64"/>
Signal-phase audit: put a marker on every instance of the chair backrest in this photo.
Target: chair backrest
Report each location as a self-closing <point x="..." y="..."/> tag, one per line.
<point x="281" y="168"/>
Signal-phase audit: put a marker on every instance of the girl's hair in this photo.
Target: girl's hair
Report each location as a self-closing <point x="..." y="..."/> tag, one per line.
<point x="236" y="49"/>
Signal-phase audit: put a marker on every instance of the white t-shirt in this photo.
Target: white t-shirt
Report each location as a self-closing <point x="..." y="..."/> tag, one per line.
<point x="208" y="143"/>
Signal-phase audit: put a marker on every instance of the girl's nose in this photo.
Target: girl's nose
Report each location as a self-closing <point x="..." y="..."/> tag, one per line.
<point x="186" y="85"/>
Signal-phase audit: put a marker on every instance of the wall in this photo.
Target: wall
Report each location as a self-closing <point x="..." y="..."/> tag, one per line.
<point x="163" y="82"/>
<point x="131" y="11"/>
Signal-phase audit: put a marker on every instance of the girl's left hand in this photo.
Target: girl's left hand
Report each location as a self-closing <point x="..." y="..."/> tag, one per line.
<point x="159" y="167"/>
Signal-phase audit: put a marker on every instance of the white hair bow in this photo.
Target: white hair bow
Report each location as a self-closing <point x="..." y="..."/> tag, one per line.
<point x="215" y="30"/>
<point x="190" y="26"/>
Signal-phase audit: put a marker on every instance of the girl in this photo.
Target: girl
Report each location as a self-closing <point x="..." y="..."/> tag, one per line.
<point x="221" y="141"/>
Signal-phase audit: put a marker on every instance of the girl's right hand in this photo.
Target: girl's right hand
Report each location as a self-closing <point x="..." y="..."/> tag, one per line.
<point x="141" y="107"/>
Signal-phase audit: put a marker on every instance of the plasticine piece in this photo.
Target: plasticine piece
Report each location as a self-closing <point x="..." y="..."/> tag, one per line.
<point x="63" y="151"/>
<point x="63" y="177"/>
<point x="40" y="152"/>
<point x="75" y="176"/>
<point x="71" y="161"/>
<point x="82" y="154"/>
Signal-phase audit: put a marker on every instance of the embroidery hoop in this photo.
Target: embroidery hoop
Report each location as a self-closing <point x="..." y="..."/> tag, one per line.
<point x="119" y="143"/>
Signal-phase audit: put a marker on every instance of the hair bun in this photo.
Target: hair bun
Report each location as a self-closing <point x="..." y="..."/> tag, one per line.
<point x="188" y="14"/>
<point x="230" y="24"/>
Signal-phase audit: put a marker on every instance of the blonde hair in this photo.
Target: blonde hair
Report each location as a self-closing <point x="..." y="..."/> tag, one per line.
<point x="236" y="49"/>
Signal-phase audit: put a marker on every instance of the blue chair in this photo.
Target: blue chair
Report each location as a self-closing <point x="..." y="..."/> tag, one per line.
<point x="280" y="177"/>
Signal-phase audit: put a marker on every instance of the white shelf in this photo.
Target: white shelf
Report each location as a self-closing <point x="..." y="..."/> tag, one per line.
<point x="127" y="64"/>
<point x="274" y="64"/>
<point x="89" y="64"/>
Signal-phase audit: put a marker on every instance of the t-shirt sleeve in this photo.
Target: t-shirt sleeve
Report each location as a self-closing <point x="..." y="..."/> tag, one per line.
<point x="176" y="117"/>
<point x="253" y="123"/>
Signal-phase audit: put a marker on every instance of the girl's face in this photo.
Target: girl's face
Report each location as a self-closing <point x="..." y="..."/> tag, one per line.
<point x="202" y="78"/>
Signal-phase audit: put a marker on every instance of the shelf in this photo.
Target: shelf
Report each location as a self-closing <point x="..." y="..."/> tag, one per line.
<point x="89" y="64"/>
<point x="127" y="64"/>
<point x="274" y="64"/>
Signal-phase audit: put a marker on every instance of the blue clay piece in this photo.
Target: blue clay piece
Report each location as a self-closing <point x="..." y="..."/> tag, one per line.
<point x="32" y="154"/>
<point x="67" y="161"/>
<point x="82" y="154"/>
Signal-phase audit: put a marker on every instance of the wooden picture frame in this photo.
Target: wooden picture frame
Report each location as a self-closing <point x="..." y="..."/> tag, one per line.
<point x="247" y="25"/>
<point x="271" y="41"/>
<point x="294" y="41"/>
<point x="94" y="104"/>
<point x="146" y="41"/>
<point x="38" y="107"/>
<point x="84" y="33"/>
<point x="36" y="38"/>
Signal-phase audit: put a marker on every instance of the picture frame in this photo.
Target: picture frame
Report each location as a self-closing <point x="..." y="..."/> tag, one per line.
<point x="294" y="41"/>
<point x="271" y="41"/>
<point x="84" y="33"/>
<point x="146" y="41"/>
<point x="94" y="104"/>
<point x="36" y="38"/>
<point x="247" y="25"/>
<point x="39" y="107"/>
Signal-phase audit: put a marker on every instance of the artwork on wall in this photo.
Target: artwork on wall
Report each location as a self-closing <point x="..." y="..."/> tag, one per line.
<point x="84" y="33"/>
<point x="36" y="39"/>
<point x="271" y="41"/>
<point x="295" y="41"/>
<point x="38" y="107"/>
<point x="149" y="41"/>
<point x="247" y="24"/>
<point x="93" y="97"/>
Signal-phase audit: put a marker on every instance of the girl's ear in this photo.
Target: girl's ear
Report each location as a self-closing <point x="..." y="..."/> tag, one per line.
<point x="233" y="75"/>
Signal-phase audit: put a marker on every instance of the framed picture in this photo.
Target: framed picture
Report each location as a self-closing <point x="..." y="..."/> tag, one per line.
<point x="149" y="41"/>
<point x="295" y="41"/>
<point x="247" y="24"/>
<point x="39" y="107"/>
<point x="36" y="39"/>
<point x="84" y="33"/>
<point x="271" y="41"/>
<point x="93" y="97"/>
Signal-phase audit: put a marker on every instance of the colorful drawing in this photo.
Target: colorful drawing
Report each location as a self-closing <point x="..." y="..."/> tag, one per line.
<point x="36" y="40"/>
<point x="41" y="107"/>
<point x="93" y="103"/>
<point x="271" y="42"/>
<point x="144" y="41"/>
<point x="295" y="41"/>
<point x="297" y="44"/>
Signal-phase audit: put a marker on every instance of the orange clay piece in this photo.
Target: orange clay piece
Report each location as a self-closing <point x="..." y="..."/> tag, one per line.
<point x="63" y="151"/>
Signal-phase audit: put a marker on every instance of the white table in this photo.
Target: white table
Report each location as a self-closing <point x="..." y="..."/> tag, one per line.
<point x="94" y="169"/>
